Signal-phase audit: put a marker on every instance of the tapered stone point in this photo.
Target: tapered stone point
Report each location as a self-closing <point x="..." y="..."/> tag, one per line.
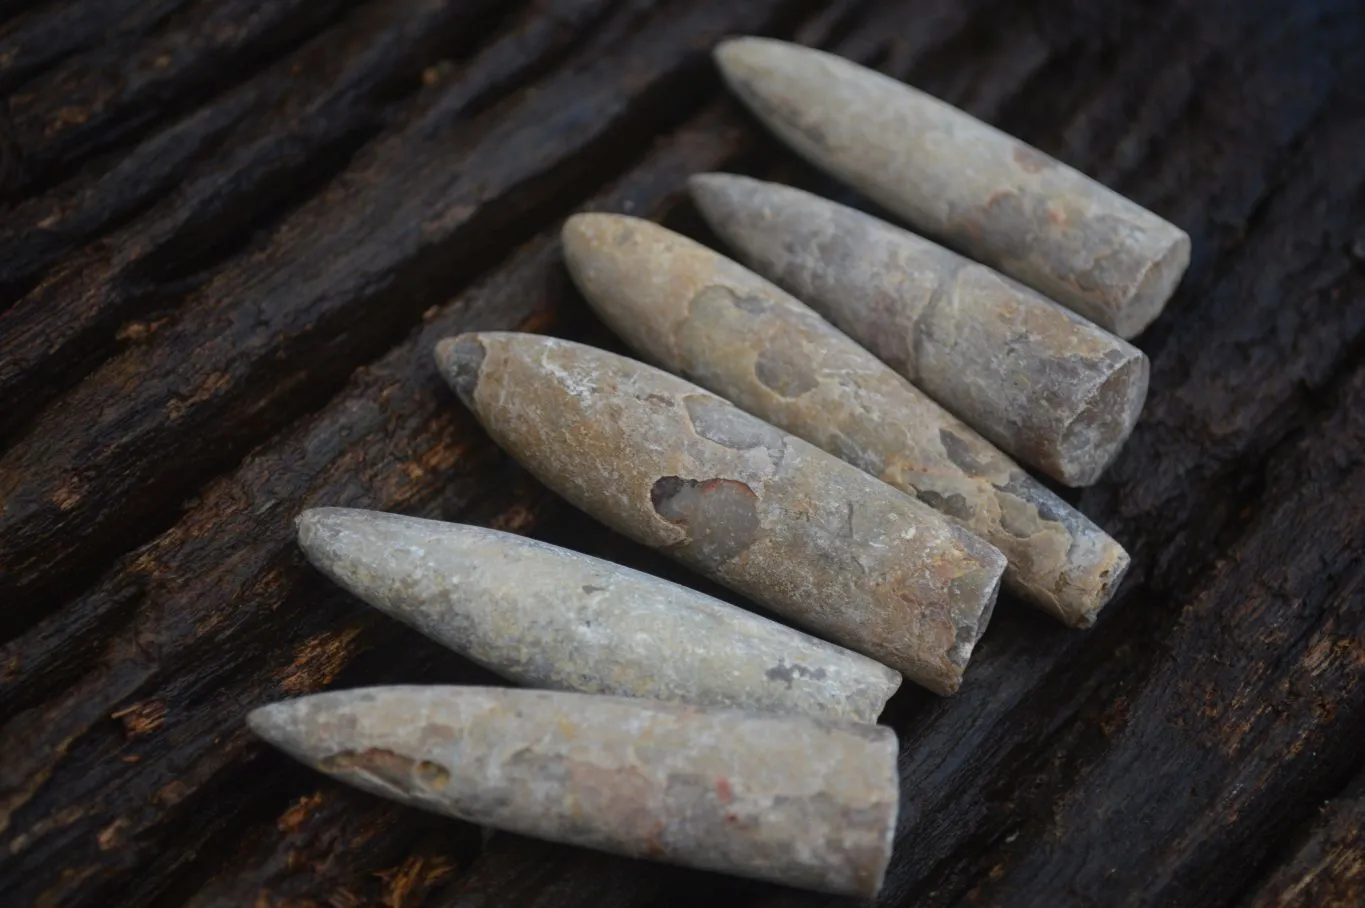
<point x="1157" y="285"/>
<point x="742" y="57"/>
<point x="326" y="535"/>
<point x="460" y="359"/>
<point x="805" y="802"/>
<point x="309" y="524"/>
<point x="587" y="237"/>
<point x="713" y="190"/>
<point x="549" y="617"/>
<point x="1102" y="422"/>
<point x="584" y="227"/>
<point x="273" y="723"/>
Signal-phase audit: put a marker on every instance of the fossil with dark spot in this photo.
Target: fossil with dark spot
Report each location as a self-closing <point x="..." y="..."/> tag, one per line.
<point x="958" y="179"/>
<point x="702" y="315"/>
<point x="1047" y="386"/>
<point x="806" y="534"/>
<point x="792" y="799"/>
<point x="548" y="617"/>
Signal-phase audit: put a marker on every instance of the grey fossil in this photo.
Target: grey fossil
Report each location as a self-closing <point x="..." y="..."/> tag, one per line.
<point x="679" y="469"/>
<point x="792" y="799"/>
<point x="552" y="618"/>
<point x="956" y="178"/>
<point x="1047" y="386"/>
<point x="697" y="313"/>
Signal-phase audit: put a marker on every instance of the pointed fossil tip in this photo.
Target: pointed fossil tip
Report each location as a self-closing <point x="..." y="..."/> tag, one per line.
<point x="582" y="236"/>
<point x="589" y="222"/>
<point x="743" y="60"/>
<point x="603" y="252"/>
<point x="299" y="726"/>
<point x="272" y="723"/>
<point x="306" y="527"/>
<point x="318" y="528"/>
<point x="460" y="359"/>
<point x="714" y="183"/>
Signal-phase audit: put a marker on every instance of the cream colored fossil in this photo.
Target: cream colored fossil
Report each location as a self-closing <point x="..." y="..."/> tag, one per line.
<point x="795" y="800"/>
<point x="673" y="466"/>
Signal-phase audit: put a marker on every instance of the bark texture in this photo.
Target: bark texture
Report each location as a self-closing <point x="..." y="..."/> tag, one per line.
<point x="232" y="241"/>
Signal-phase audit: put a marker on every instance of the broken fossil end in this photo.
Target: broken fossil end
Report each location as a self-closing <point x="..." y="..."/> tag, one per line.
<point x="584" y="228"/>
<point x="460" y="359"/>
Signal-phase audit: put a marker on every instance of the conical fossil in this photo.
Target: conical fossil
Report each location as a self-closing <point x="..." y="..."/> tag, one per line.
<point x="791" y="799"/>
<point x="1044" y="384"/>
<point x="954" y="178"/>
<point x="704" y="316"/>
<point x="548" y="617"/>
<point x="677" y="468"/>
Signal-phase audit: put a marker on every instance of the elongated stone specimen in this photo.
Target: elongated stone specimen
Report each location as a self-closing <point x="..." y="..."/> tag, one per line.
<point x="719" y="324"/>
<point x="955" y="178"/>
<point x="796" y="800"/>
<point x="549" y="617"/>
<point x="677" y="468"/>
<point x="1044" y="384"/>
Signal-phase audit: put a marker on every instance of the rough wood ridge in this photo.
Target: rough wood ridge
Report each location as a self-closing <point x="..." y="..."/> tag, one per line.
<point x="233" y="233"/>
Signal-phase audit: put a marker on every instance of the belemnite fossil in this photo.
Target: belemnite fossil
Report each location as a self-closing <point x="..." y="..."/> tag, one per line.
<point x="677" y="468"/>
<point x="792" y="799"/>
<point x="548" y="617"/>
<point x="705" y="317"/>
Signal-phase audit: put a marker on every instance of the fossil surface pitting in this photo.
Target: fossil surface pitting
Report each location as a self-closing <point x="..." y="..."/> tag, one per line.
<point x="1050" y="388"/>
<point x="957" y="179"/>
<point x="548" y="617"/>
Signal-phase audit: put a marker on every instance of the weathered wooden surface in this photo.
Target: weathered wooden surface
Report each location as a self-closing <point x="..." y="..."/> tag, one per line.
<point x="234" y="231"/>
